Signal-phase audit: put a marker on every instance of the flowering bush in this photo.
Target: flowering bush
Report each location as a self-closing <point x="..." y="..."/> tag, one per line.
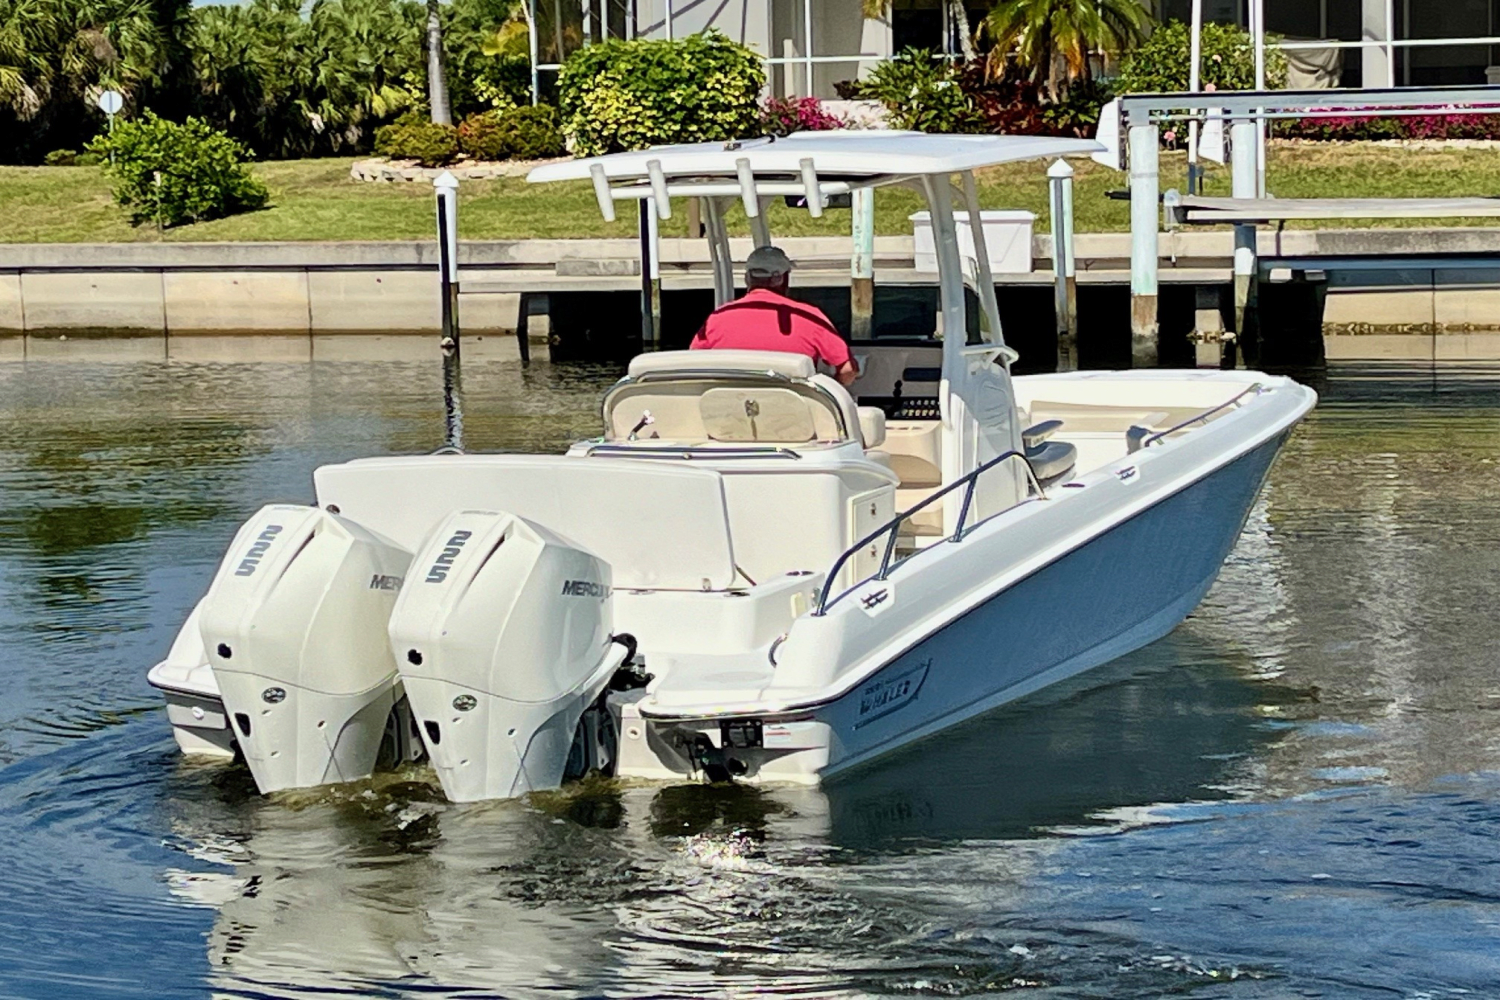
<point x="1437" y="126"/>
<point x="805" y="114"/>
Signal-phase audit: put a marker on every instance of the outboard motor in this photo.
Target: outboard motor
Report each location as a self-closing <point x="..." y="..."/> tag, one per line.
<point x="295" y="630"/>
<point x="502" y="636"/>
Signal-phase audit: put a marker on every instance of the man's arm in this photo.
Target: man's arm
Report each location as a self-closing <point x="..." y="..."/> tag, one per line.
<point x="832" y="350"/>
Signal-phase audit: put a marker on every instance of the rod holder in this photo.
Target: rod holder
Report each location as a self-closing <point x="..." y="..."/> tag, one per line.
<point x="748" y="197"/>
<point x="601" y="192"/>
<point x="812" y="188"/>
<point x="659" y="189"/>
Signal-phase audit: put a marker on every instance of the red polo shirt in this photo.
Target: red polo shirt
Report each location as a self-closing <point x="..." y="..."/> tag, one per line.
<point x="764" y="321"/>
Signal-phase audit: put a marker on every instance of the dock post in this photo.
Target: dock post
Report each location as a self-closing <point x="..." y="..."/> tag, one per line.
<point x="862" y="265"/>
<point x="1065" y="287"/>
<point x="1145" y="183"/>
<point x="446" y="187"/>
<point x="650" y="277"/>
<point x="1244" y="161"/>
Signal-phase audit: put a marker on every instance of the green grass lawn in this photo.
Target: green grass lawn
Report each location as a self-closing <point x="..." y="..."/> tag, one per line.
<point x="316" y="199"/>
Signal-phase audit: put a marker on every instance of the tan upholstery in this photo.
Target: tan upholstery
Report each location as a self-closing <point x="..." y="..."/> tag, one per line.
<point x="763" y="413"/>
<point x="791" y="365"/>
<point x="674" y="408"/>
<point x="872" y="426"/>
<point x="842" y="399"/>
<point x="915" y="447"/>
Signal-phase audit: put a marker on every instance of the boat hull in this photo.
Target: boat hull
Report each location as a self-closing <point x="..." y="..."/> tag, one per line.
<point x="1140" y="579"/>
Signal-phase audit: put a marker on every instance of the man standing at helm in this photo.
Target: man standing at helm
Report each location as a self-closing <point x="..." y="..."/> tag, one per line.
<point x="765" y="319"/>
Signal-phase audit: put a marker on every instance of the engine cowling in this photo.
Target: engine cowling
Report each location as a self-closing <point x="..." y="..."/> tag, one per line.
<point x="294" y="626"/>
<point x="502" y="636"/>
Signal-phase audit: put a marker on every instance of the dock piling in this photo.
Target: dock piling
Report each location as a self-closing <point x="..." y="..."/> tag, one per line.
<point x="1244" y="163"/>
<point x="650" y="276"/>
<point x="862" y="265"/>
<point x="1065" y="288"/>
<point x="1145" y="183"/>
<point x="446" y="187"/>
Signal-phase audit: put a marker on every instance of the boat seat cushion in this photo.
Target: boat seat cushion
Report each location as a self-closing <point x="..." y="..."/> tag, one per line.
<point x="756" y="413"/>
<point x="1052" y="460"/>
<point x="798" y="366"/>
<point x="915" y="447"/>
<point x="872" y="426"/>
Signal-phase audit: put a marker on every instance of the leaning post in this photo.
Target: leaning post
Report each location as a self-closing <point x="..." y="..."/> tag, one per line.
<point x="1065" y="288"/>
<point x="446" y="187"/>
<point x="1244" y="163"/>
<point x="1145" y="183"/>
<point x="862" y="265"/>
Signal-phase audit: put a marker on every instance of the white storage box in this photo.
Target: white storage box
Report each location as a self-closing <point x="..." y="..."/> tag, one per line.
<point x="1007" y="236"/>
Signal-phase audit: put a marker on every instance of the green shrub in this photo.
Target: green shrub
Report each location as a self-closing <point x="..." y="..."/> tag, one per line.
<point x="413" y="137"/>
<point x="1160" y="64"/>
<point x="172" y="173"/>
<point x="923" y="93"/>
<point x="479" y="136"/>
<point x="621" y="95"/>
<point x="61" y="158"/>
<point x="87" y="159"/>
<point x="531" y="133"/>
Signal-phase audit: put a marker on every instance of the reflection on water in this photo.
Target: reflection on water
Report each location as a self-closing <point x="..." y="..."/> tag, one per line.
<point x="1292" y="794"/>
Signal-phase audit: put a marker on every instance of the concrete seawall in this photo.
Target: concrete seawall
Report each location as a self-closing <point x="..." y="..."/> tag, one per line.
<point x="1384" y="286"/>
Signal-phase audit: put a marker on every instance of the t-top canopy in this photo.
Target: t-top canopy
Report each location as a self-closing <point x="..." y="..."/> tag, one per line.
<point x="845" y="154"/>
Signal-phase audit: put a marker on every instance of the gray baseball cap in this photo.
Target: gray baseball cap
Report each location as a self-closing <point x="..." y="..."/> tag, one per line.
<point x="767" y="262"/>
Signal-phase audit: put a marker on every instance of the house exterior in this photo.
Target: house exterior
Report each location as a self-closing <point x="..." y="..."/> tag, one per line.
<point x="1377" y="43"/>
<point x="811" y="45"/>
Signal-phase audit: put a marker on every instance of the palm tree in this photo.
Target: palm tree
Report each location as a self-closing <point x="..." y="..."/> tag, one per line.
<point x="437" y="77"/>
<point x="1053" y="39"/>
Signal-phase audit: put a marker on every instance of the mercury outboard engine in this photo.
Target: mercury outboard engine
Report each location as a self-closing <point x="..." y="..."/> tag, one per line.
<point x="294" y="626"/>
<point x="502" y="636"/>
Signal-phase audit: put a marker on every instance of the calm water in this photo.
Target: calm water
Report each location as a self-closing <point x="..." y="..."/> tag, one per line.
<point x="1297" y="793"/>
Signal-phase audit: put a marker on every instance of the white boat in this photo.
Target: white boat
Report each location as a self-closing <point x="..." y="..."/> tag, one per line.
<point x="753" y="573"/>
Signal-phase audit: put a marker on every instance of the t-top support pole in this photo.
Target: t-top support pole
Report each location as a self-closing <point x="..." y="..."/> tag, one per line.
<point x="1195" y="81"/>
<point x="1065" y="287"/>
<point x="650" y="276"/>
<point x="862" y="265"/>
<point x="1145" y="183"/>
<point x="1244" y="157"/>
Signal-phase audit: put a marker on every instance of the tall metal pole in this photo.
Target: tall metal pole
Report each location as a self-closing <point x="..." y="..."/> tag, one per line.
<point x="446" y="187"/>
<point x="1242" y="165"/>
<point x="1065" y="287"/>
<point x="1390" y="37"/>
<point x="862" y="265"/>
<point x="1258" y="15"/>
<point x="807" y="56"/>
<point x="1145" y="185"/>
<point x="1195" y="84"/>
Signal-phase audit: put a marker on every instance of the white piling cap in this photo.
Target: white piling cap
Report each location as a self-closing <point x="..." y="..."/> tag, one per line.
<point x="1060" y="168"/>
<point x="445" y="180"/>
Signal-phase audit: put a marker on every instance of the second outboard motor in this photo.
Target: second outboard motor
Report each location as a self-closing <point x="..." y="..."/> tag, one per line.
<point x="295" y="630"/>
<point x="502" y="636"/>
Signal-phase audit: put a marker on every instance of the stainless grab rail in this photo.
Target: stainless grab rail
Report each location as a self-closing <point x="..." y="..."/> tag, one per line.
<point x="891" y="529"/>
<point x="1256" y="389"/>
<point x="689" y="453"/>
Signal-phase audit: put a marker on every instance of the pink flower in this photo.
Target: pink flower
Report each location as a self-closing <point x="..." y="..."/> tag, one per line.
<point x="1169" y="135"/>
<point x="1210" y="88"/>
